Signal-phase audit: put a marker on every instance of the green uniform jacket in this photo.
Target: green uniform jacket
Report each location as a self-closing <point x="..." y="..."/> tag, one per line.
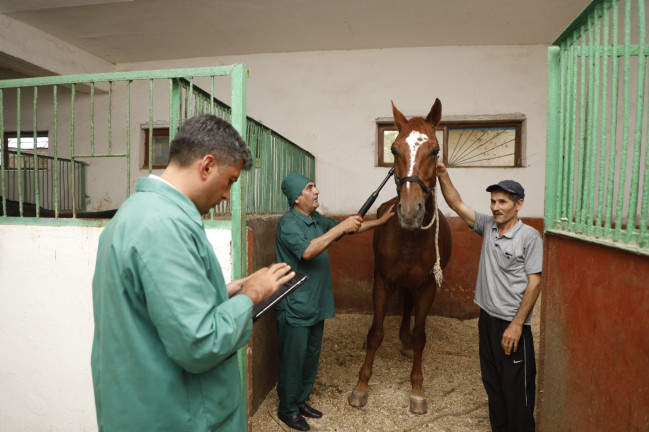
<point x="313" y="301"/>
<point x="166" y="334"/>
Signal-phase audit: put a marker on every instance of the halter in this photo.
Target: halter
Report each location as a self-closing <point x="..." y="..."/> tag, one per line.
<point x="413" y="179"/>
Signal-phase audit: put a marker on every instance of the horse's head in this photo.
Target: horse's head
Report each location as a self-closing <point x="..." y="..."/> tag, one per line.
<point x="415" y="153"/>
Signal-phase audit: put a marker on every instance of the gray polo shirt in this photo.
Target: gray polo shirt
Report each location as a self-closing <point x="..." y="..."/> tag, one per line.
<point x="505" y="263"/>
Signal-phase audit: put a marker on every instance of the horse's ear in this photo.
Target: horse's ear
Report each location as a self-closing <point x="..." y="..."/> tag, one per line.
<point x="399" y="119"/>
<point x="435" y="114"/>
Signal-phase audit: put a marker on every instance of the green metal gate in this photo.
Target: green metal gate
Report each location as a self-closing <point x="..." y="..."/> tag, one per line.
<point x="102" y="118"/>
<point x="597" y="176"/>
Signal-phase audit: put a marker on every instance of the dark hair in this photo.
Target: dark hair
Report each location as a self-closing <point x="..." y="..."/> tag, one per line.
<point x="208" y="134"/>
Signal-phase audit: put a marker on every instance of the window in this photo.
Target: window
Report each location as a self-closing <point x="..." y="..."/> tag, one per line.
<point x="160" y="154"/>
<point x="27" y="146"/>
<point x="488" y="141"/>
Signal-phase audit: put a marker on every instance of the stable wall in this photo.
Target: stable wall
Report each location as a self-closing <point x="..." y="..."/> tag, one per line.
<point x="352" y="266"/>
<point x="46" y="325"/>
<point x="594" y="329"/>
<point x="328" y="102"/>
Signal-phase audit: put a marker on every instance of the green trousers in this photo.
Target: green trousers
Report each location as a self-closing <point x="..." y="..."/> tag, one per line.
<point x="299" y="356"/>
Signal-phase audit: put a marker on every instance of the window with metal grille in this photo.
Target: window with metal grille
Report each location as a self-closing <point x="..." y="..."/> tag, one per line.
<point x="485" y="141"/>
<point x="159" y="148"/>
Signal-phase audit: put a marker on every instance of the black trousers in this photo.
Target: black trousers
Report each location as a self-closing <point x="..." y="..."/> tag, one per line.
<point x="509" y="380"/>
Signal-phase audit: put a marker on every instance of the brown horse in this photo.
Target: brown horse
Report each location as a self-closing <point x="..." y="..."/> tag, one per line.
<point x="411" y="251"/>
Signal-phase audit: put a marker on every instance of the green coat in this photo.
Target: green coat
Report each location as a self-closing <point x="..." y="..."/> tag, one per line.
<point x="313" y="301"/>
<point x="166" y="334"/>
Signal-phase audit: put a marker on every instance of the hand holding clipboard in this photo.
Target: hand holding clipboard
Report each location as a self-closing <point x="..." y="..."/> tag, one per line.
<point x="267" y="304"/>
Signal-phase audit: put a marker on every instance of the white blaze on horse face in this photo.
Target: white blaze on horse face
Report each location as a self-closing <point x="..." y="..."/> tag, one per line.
<point x="415" y="140"/>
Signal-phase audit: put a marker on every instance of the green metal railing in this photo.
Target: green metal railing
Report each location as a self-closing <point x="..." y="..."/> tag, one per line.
<point x="99" y="118"/>
<point x="274" y="155"/>
<point x="30" y="178"/>
<point x="597" y="176"/>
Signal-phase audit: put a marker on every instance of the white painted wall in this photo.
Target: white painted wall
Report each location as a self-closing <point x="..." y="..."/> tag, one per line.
<point x="46" y="325"/>
<point x="327" y="102"/>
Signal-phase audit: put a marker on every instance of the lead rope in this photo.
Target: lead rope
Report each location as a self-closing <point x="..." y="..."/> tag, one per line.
<point x="437" y="268"/>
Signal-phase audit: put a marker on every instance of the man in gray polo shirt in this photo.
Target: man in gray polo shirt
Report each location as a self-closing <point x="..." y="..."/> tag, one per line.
<point x="509" y="282"/>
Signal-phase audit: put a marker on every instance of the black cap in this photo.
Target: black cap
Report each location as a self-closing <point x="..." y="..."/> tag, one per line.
<point x="510" y="186"/>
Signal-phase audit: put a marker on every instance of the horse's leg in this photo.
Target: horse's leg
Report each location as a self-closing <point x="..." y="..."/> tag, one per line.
<point x="417" y="397"/>
<point x="404" y="331"/>
<point x="380" y="296"/>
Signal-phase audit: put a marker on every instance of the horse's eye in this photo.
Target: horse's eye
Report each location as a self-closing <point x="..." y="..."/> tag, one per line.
<point x="435" y="152"/>
<point x="393" y="150"/>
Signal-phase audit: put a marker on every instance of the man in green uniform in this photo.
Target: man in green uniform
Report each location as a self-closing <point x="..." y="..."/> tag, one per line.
<point x="302" y="239"/>
<point x="167" y="327"/>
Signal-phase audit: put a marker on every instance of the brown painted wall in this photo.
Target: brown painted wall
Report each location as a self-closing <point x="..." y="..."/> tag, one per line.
<point x="594" y="339"/>
<point x="263" y="358"/>
<point x="352" y="265"/>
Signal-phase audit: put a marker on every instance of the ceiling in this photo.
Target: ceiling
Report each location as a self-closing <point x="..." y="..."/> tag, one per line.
<point x="122" y="31"/>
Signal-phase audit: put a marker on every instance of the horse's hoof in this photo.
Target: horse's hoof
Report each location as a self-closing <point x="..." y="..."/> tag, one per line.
<point x="418" y="405"/>
<point x="407" y="352"/>
<point x="357" y="399"/>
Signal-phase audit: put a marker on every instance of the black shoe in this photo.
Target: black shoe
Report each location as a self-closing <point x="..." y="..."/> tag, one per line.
<point x="295" y="422"/>
<point x="310" y="412"/>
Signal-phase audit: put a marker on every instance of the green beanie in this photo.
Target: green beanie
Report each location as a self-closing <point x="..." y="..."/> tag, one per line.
<point x="293" y="185"/>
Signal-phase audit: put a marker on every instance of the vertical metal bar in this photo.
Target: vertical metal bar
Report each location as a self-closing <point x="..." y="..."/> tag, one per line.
<point x="110" y="117"/>
<point x="625" y="119"/>
<point x="72" y="167"/>
<point x="92" y="118"/>
<point x="191" y="100"/>
<point x="56" y="151"/>
<point x="2" y="156"/>
<point x="610" y="188"/>
<point x="637" y="142"/>
<point x="212" y="108"/>
<point x="602" y="154"/>
<point x="572" y="137"/>
<point x="238" y="199"/>
<point x="238" y="189"/>
<point x="581" y="155"/>
<point x="593" y="116"/>
<point x="37" y="200"/>
<point x="150" y="149"/>
<point x="553" y="153"/>
<point x="174" y="107"/>
<point x="557" y="213"/>
<point x="18" y="165"/>
<point x="128" y="137"/>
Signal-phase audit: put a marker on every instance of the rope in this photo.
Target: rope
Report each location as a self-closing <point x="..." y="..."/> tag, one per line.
<point x="437" y="268"/>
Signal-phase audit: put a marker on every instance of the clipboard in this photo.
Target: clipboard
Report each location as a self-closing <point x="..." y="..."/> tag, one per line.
<point x="267" y="304"/>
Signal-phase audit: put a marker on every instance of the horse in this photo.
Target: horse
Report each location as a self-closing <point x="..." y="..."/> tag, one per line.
<point x="410" y="251"/>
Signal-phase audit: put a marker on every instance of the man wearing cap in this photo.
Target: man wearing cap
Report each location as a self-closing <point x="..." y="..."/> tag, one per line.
<point x="302" y="239"/>
<point x="508" y="284"/>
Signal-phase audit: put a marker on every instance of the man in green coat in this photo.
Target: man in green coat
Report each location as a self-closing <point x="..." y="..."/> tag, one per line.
<point x="302" y="239"/>
<point x="167" y="327"/>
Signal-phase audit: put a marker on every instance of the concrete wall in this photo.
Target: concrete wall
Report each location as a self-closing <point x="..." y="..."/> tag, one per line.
<point x="46" y="325"/>
<point x="594" y="328"/>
